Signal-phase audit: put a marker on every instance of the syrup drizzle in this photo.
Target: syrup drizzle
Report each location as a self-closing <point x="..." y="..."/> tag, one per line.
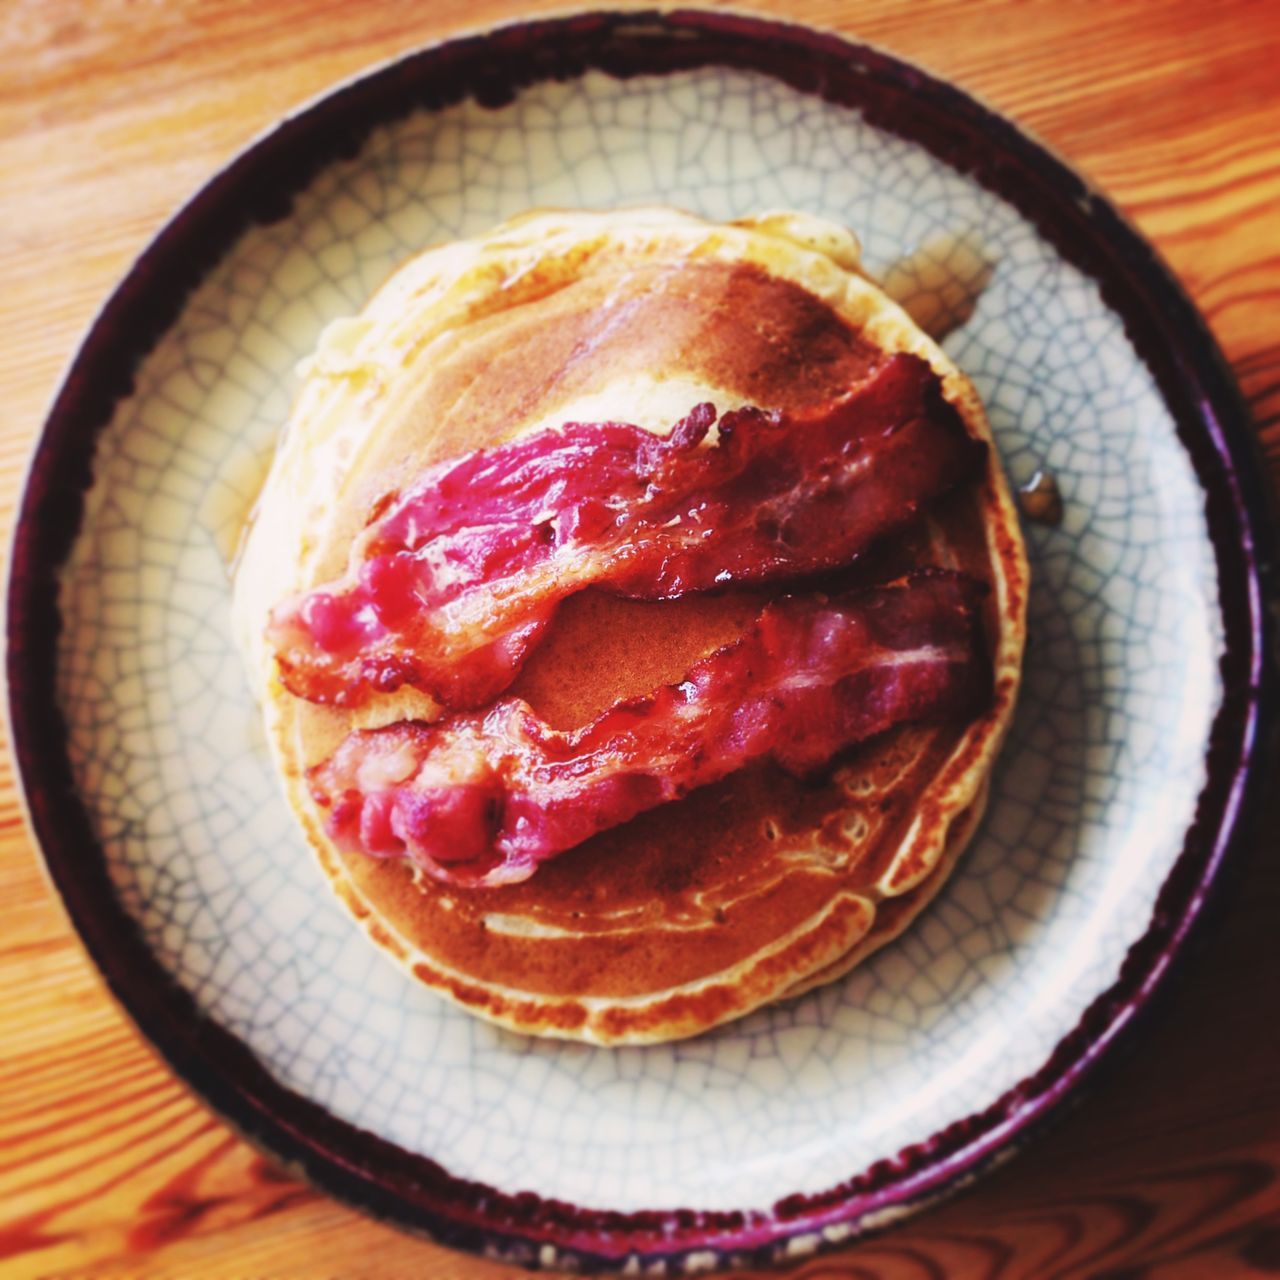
<point x="938" y="283"/>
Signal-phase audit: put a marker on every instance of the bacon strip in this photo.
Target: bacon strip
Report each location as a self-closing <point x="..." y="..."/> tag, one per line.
<point x="451" y="587"/>
<point x="482" y="799"/>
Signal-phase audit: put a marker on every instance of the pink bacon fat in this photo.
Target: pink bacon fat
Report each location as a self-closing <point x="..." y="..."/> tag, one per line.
<point x="450" y="587"/>
<point x="482" y="799"/>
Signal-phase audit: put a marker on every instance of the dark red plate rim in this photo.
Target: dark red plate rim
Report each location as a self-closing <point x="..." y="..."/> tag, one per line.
<point x="259" y="186"/>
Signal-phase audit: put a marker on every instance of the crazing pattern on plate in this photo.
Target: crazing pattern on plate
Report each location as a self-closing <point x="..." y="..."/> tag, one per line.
<point x="1089" y="805"/>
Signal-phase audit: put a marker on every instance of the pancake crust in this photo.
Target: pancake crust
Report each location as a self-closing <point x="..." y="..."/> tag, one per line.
<point x="755" y="888"/>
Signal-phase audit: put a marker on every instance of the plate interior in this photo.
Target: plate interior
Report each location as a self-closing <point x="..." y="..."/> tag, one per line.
<point x="1090" y="802"/>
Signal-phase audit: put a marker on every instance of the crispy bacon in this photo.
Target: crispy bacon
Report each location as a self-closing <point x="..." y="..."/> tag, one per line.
<point x="451" y="586"/>
<point x="482" y="799"/>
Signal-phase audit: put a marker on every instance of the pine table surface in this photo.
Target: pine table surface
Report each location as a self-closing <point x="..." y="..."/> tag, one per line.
<point x="112" y="112"/>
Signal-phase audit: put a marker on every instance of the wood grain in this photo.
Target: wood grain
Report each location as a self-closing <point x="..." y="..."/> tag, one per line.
<point x="111" y="113"/>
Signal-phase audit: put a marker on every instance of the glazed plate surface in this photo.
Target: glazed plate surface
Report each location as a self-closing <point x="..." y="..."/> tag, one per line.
<point x="163" y="826"/>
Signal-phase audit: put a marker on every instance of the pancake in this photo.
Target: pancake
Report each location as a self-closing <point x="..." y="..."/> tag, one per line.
<point x="748" y="890"/>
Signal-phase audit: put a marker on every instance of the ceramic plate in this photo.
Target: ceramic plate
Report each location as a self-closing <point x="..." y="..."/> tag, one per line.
<point x="1119" y="792"/>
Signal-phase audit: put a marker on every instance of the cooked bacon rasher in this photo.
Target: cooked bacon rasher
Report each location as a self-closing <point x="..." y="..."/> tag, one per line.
<point x="451" y="586"/>
<point x="482" y="799"/>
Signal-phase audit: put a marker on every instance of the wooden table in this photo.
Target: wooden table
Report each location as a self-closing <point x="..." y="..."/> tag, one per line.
<point x="111" y="113"/>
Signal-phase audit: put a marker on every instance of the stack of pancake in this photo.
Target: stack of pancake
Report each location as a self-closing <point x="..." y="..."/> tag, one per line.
<point x="761" y="885"/>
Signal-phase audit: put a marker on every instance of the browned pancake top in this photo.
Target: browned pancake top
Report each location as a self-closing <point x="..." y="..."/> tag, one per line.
<point x="728" y="324"/>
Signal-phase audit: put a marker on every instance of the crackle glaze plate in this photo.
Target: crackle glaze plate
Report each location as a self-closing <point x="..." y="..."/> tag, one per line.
<point x="1123" y="784"/>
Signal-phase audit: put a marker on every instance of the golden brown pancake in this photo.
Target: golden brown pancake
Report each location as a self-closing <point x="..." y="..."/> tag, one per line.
<point x="752" y="889"/>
